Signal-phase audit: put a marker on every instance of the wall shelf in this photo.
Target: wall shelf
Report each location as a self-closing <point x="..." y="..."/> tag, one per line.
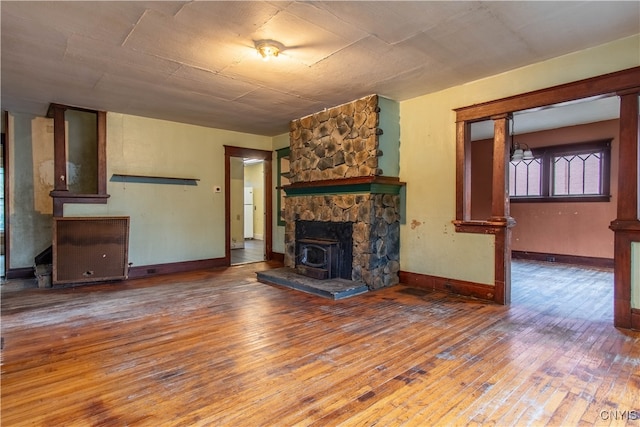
<point x="148" y="179"/>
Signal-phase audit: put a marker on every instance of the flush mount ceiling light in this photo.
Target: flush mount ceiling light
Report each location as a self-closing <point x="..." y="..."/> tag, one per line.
<point x="268" y="49"/>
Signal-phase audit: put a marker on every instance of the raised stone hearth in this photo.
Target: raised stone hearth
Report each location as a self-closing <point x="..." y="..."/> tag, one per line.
<point x="328" y="288"/>
<point x="336" y="165"/>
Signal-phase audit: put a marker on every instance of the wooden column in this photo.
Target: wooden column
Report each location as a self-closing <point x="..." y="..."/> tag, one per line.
<point x="101" y="122"/>
<point x="628" y="163"/>
<point x="463" y="171"/>
<point x="60" y="149"/>
<point x="500" y="183"/>
<point x="626" y="226"/>
<point x="500" y="208"/>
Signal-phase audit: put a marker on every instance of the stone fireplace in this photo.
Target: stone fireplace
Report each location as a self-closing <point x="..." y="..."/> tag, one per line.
<point x="339" y="206"/>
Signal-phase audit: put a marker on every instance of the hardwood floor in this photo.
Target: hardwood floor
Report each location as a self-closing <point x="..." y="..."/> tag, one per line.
<point x="219" y="348"/>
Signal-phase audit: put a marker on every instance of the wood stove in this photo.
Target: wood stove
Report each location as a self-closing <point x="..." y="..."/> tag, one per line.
<point x="324" y="249"/>
<point x="319" y="258"/>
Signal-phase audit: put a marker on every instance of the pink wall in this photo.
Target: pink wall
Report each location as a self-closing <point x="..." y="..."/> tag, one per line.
<point x="580" y="229"/>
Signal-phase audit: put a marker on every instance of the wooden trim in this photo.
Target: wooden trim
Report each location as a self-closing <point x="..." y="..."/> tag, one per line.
<point x="357" y="180"/>
<point x="483" y="227"/>
<point x="7" y="192"/>
<point x="102" y="151"/>
<point x="370" y="185"/>
<point x="623" y="83"/>
<point x="635" y="319"/>
<point x="53" y="106"/>
<point x="60" y="193"/>
<point x="267" y="156"/>
<point x="564" y="259"/>
<point x="454" y="286"/>
<point x="561" y="199"/>
<point x="628" y="158"/>
<point x="20" y="273"/>
<point x="500" y="183"/>
<point x="252" y="153"/>
<point x="502" y="266"/>
<point x="622" y="279"/>
<point x="626" y="226"/>
<point x="227" y="207"/>
<point x="277" y="256"/>
<point x="632" y="225"/>
<point x="625" y="232"/>
<point x="463" y="171"/>
<point x="281" y="153"/>
<point x="59" y="150"/>
<point x="62" y="197"/>
<point x="268" y="207"/>
<point x="600" y="85"/>
<point x="175" y="267"/>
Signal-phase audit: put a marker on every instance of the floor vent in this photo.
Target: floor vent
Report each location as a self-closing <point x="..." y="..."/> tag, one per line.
<point x="90" y="249"/>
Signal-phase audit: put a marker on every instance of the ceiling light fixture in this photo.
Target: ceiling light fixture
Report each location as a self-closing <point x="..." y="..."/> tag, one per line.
<point x="517" y="151"/>
<point x="268" y="49"/>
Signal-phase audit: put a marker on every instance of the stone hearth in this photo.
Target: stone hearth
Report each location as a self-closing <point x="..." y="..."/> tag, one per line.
<point x="328" y="288"/>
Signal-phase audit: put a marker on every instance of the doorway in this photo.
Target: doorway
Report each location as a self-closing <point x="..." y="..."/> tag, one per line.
<point x="248" y="172"/>
<point x="247" y="210"/>
<point x="624" y="84"/>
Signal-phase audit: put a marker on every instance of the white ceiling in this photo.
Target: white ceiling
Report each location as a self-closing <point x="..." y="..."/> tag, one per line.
<point x="195" y="62"/>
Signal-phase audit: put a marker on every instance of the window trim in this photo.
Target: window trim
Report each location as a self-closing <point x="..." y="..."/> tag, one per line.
<point x="548" y="152"/>
<point x="281" y="154"/>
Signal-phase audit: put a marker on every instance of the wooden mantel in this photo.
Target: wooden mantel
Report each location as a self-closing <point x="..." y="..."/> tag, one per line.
<point x="360" y="184"/>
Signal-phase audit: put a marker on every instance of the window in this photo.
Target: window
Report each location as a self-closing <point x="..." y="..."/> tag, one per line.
<point x="283" y="179"/>
<point x="573" y="172"/>
<point x="524" y="178"/>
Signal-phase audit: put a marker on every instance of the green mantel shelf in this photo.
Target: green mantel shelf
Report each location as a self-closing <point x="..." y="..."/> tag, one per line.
<point x="367" y="184"/>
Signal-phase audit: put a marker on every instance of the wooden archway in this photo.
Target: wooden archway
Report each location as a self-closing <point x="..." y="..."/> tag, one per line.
<point x="626" y="226"/>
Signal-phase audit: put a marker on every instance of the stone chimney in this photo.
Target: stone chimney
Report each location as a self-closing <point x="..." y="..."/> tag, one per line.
<point x="344" y="167"/>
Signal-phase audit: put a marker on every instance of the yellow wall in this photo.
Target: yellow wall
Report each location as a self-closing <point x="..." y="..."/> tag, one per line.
<point x="428" y="242"/>
<point x="169" y="223"/>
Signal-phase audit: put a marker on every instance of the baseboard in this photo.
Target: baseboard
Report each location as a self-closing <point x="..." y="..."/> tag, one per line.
<point x="277" y="256"/>
<point x="635" y="319"/>
<point x="175" y="267"/>
<point x="20" y="273"/>
<point x="565" y="259"/>
<point x="459" y="287"/>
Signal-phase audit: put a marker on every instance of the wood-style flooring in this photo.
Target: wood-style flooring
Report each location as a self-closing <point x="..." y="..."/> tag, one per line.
<point x="218" y="348"/>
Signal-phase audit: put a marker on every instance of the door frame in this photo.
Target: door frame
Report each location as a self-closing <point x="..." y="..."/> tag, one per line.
<point x="266" y="156"/>
<point x="626" y="227"/>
